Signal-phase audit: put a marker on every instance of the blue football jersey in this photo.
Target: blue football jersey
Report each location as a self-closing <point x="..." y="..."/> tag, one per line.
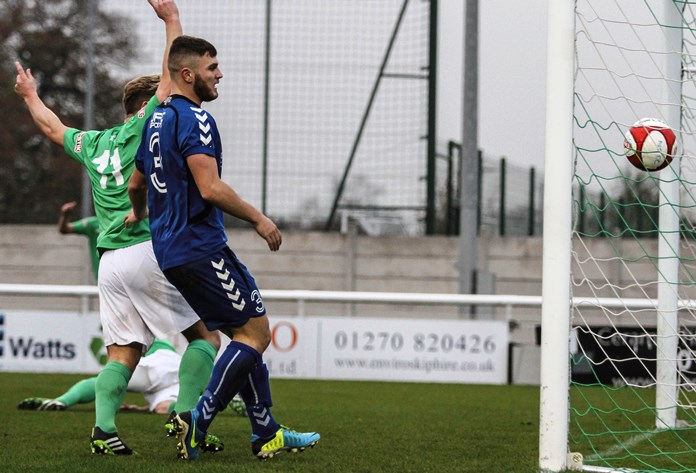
<point x="184" y="227"/>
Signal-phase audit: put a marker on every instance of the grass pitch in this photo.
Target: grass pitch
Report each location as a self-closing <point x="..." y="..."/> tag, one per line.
<point x="366" y="427"/>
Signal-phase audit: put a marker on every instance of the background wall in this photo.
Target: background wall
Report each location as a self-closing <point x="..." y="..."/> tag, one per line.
<point x="37" y="254"/>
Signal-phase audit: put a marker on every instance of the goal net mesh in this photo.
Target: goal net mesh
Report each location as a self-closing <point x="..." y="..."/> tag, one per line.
<point x="623" y="52"/>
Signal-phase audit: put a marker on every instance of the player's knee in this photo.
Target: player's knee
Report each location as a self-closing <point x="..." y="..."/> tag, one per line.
<point x="214" y="339"/>
<point x="264" y="339"/>
<point x="262" y="332"/>
<point x="259" y="335"/>
<point x="198" y="331"/>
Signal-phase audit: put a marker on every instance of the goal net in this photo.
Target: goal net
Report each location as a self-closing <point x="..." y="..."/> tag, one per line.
<point x="631" y="403"/>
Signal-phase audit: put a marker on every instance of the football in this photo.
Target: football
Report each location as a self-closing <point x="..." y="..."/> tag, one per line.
<point x="650" y="144"/>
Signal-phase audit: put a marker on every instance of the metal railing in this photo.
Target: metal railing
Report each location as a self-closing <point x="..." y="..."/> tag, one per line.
<point x="302" y="297"/>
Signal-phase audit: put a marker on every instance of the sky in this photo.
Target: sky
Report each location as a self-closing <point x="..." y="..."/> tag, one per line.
<point x="512" y="77"/>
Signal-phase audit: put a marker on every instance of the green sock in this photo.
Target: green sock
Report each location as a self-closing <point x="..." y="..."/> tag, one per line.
<point x="194" y="373"/>
<point x="81" y="392"/>
<point x="110" y="390"/>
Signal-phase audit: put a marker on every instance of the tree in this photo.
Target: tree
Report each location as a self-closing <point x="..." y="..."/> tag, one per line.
<point x="50" y="38"/>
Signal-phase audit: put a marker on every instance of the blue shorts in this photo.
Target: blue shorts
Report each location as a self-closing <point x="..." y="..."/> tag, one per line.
<point x="219" y="289"/>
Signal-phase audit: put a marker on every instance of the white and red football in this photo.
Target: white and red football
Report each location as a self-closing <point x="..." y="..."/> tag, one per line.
<point x="650" y="144"/>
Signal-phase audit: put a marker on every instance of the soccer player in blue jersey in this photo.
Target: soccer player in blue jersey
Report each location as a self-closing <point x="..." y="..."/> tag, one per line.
<point x="179" y="164"/>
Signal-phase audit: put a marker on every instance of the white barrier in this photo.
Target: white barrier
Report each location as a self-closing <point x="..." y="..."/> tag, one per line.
<point x="462" y="351"/>
<point x="301" y="297"/>
<point x="426" y="350"/>
<point x="467" y="351"/>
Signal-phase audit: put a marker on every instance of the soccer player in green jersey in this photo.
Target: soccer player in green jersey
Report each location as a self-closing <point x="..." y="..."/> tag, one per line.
<point x="136" y="302"/>
<point x="88" y="226"/>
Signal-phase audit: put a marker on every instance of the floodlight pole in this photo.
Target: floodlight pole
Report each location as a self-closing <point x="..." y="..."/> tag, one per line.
<point x="86" y="193"/>
<point x="86" y="196"/>
<point x="468" y="188"/>
<point x="266" y="108"/>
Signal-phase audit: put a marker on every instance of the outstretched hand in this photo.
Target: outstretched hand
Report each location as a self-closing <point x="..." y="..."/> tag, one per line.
<point x="68" y="207"/>
<point x="25" y="84"/>
<point x="165" y="9"/>
<point x="269" y="232"/>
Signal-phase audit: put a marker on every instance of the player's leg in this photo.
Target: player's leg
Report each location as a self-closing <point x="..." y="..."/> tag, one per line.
<point x="196" y="364"/>
<point x="81" y="392"/>
<point x="225" y="296"/>
<point x="268" y="437"/>
<point x="237" y="405"/>
<point x="221" y="296"/>
<point x="167" y="313"/>
<point x="110" y="389"/>
<point x="229" y="375"/>
<point x="195" y="370"/>
<point x="41" y="404"/>
<point x="125" y="335"/>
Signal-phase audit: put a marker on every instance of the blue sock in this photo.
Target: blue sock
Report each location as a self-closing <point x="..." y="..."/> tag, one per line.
<point x="257" y="397"/>
<point x="229" y="375"/>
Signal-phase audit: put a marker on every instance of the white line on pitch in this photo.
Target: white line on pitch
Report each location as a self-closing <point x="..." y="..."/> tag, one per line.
<point x="636" y="439"/>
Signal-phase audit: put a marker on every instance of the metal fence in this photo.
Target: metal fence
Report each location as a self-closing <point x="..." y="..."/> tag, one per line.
<point x="324" y="105"/>
<point x="326" y="112"/>
<point x="509" y="196"/>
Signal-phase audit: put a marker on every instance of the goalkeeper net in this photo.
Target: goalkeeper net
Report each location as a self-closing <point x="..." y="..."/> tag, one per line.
<point x="633" y="323"/>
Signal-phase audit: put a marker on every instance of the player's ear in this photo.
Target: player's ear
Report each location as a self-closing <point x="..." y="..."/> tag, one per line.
<point x="188" y="75"/>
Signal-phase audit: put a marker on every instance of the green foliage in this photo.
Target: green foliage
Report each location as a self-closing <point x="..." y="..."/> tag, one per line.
<point x="50" y="38"/>
<point x="366" y="427"/>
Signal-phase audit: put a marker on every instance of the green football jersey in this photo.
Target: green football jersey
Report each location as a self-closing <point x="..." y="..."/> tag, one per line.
<point x="109" y="157"/>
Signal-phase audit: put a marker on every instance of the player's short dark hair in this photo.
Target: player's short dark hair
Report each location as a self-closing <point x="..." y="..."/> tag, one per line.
<point x="185" y="50"/>
<point x="139" y="90"/>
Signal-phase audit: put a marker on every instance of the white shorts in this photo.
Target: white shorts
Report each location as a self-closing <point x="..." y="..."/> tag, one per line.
<point x="136" y="302"/>
<point x="157" y="377"/>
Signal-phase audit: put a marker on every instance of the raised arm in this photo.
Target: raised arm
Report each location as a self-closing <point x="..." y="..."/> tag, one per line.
<point x="47" y="121"/>
<point x="214" y="190"/>
<point x="168" y="12"/>
<point x="64" y="226"/>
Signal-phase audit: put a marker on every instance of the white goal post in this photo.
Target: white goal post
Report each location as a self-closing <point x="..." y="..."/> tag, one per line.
<point x="558" y="170"/>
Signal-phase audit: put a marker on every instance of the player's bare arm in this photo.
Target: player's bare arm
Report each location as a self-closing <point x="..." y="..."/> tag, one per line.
<point x="137" y="191"/>
<point x="47" y="121"/>
<point x="168" y="12"/>
<point x="214" y="190"/>
<point x="64" y="225"/>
